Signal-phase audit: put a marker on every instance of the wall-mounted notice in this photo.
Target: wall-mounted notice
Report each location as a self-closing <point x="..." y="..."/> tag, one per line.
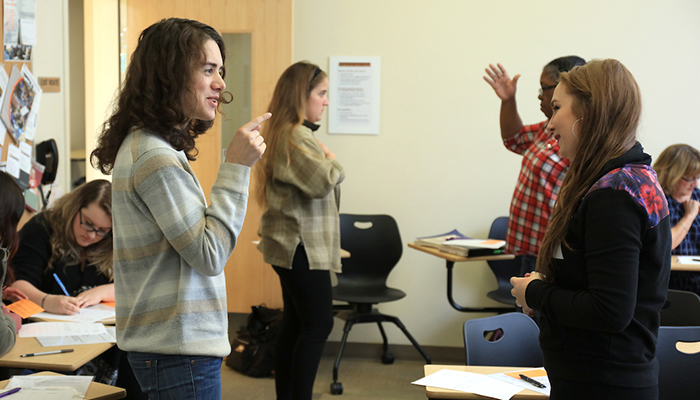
<point x="354" y="95"/>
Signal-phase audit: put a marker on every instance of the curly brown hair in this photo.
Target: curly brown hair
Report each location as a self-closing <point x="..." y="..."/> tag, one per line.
<point x="157" y="87"/>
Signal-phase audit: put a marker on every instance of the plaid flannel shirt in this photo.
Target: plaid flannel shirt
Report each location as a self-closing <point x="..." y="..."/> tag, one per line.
<point x="302" y="205"/>
<point x="541" y="175"/>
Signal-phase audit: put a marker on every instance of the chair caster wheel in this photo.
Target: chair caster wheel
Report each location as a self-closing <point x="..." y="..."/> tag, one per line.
<point x="336" y="388"/>
<point x="387" y="358"/>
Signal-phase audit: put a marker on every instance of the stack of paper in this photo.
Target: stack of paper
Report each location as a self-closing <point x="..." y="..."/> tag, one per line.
<point x="473" y="247"/>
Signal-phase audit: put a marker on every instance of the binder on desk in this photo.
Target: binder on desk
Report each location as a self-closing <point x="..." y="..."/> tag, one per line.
<point x="436" y="240"/>
<point x="473" y="247"/>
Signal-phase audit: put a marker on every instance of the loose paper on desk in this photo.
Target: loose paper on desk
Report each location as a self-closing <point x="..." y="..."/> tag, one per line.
<point x="513" y="377"/>
<point x="94" y="313"/>
<point x="689" y="260"/>
<point x="50" y="387"/>
<point x="36" y="329"/>
<point x="470" y="382"/>
<point x="25" y="308"/>
<point x="72" y="340"/>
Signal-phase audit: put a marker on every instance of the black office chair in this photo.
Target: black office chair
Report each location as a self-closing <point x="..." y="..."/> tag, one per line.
<point x="677" y="370"/>
<point x="517" y="343"/>
<point x="375" y="248"/>
<point x="682" y="308"/>
<point x="503" y="269"/>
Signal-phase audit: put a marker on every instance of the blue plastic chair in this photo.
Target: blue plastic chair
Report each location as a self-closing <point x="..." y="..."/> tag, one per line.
<point x="503" y="269"/>
<point x="682" y="308"/>
<point x="678" y="375"/>
<point x="518" y="346"/>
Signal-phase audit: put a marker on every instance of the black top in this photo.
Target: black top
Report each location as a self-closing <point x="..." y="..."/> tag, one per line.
<point x="32" y="258"/>
<point x="600" y="315"/>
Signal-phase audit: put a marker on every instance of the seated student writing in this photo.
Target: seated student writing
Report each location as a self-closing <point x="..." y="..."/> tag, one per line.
<point x="12" y="206"/>
<point x="72" y="240"/>
<point x="678" y="168"/>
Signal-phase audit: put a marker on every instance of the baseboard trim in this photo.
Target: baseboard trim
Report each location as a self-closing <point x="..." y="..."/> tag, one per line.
<point x="438" y="354"/>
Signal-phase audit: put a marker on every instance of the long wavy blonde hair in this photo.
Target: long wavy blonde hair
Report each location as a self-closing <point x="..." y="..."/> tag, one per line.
<point x="288" y="108"/>
<point x="607" y="97"/>
<point x="60" y="217"/>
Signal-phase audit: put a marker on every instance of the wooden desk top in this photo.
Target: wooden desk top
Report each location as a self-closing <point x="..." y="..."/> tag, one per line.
<point x="437" y="393"/>
<point x="96" y="391"/>
<point x="55" y="362"/>
<point x="676" y="266"/>
<point x="456" y="258"/>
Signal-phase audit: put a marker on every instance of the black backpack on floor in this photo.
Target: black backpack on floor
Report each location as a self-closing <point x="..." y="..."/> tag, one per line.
<point x="252" y="351"/>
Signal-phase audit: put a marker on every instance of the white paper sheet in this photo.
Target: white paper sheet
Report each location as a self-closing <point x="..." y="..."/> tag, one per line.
<point x="469" y="382"/>
<point x="44" y="394"/>
<point x="51" y="386"/>
<point x="109" y="337"/>
<point x="689" y="260"/>
<point x="524" y="385"/>
<point x="13" y="160"/>
<point x="36" y="329"/>
<point x="90" y="314"/>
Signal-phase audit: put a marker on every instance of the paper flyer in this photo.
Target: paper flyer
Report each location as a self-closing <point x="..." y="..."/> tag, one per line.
<point x="20" y="105"/>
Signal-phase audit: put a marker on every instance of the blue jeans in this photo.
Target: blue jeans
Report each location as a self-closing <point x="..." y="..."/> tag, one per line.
<point x="176" y="377"/>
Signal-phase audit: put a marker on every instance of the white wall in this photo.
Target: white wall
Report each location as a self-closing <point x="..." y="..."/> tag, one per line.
<point x="438" y="162"/>
<point x="50" y="59"/>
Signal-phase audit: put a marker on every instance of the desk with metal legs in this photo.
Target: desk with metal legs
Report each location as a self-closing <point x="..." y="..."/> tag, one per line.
<point x="450" y="260"/>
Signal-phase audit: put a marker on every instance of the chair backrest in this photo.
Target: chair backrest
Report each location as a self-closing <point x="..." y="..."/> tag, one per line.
<point x="503" y="269"/>
<point x="677" y="370"/>
<point x="682" y="309"/>
<point x="517" y="347"/>
<point x="374" y="243"/>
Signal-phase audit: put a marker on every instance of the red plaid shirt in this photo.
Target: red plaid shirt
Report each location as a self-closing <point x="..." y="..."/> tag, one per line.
<point x="541" y="175"/>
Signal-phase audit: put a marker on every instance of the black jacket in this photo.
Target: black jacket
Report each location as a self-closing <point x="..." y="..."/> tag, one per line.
<point x="600" y="315"/>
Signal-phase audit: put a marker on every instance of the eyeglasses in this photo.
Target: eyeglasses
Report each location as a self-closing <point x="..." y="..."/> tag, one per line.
<point x="89" y="228"/>
<point x="691" y="179"/>
<point x="543" y="88"/>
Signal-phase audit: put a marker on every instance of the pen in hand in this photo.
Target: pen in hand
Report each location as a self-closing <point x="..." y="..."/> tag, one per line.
<point x="48" y="352"/>
<point x="532" y="381"/>
<point x="61" y="285"/>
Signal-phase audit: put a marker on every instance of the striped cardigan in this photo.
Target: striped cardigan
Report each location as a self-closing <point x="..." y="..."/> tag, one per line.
<point x="170" y="249"/>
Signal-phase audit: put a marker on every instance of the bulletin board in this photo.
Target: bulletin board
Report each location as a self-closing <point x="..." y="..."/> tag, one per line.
<point x="7" y="65"/>
<point x="22" y="96"/>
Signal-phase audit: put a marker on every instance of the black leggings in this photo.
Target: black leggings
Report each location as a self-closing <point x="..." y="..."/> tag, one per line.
<point x="307" y="322"/>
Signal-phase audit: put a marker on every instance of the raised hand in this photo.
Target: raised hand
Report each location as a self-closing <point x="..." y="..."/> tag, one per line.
<point x="500" y="82"/>
<point x="247" y="146"/>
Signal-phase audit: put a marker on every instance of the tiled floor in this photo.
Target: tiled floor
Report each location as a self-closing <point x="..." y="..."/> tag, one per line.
<point x="362" y="379"/>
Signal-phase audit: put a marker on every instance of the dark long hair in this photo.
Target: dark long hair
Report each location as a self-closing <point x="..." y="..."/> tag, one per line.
<point x="157" y="88"/>
<point x="12" y="206"/>
<point x="607" y="98"/>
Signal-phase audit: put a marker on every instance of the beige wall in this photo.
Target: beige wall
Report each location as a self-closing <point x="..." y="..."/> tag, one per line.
<point x="438" y="163"/>
<point x="50" y="59"/>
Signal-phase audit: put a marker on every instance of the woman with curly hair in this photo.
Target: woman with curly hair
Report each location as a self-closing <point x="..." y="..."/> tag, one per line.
<point x="170" y="246"/>
<point x="604" y="264"/>
<point x="73" y="240"/>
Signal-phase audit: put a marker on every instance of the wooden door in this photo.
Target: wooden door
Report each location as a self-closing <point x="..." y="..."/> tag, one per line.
<point x="249" y="280"/>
